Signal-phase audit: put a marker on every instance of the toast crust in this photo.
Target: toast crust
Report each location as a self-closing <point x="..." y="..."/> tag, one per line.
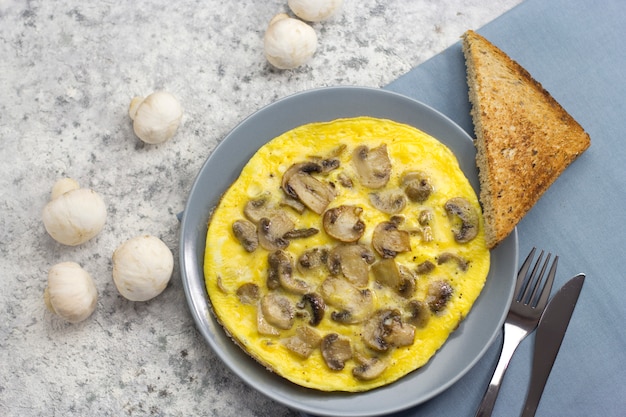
<point x="524" y="138"/>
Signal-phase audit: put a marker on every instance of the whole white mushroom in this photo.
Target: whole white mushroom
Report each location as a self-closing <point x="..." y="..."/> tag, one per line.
<point x="142" y="267"/>
<point x="314" y="10"/>
<point x="156" y="117"/>
<point x="71" y="292"/>
<point x="74" y="215"/>
<point x="289" y="42"/>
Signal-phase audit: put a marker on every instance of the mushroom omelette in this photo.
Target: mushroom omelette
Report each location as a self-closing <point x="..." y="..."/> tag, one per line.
<point x="346" y="253"/>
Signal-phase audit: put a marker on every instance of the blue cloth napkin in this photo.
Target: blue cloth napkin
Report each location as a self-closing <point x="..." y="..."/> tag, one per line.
<point x="577" y="50"/>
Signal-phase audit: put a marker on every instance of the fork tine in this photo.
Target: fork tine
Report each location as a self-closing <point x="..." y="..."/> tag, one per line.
<point x="547" y="288"/>
<point x="532" y="278"/>
<point x="539" y="278"/>
<point x="521" y="275"/>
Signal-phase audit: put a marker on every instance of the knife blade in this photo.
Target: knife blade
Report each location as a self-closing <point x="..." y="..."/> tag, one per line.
<point x="548" y="338"/>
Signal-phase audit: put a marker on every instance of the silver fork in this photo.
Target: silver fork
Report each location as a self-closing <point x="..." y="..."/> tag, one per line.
<point x="529" y="301"/>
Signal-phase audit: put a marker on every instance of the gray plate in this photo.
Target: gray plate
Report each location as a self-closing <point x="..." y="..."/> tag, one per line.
<point x="465" y="346"/>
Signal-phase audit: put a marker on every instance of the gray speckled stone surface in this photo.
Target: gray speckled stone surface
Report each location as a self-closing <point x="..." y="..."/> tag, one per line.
<point x="67" y="74"/>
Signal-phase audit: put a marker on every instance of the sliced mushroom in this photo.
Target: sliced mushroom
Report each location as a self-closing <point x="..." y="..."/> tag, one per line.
<point x="336" y="350"/>
<point x="408" y="282"/>
<point x="369" y="369"/>
<point x="301" y="233"/>
<point x="344" y="223"/>
<point x="262" y="325"/>
<point x="461" y="262"/>
<point x="245" y="232"/>
<point x="388" y="240"/>
<point x="464" y="218"/>
<point x="298" y="183"/>
<point x="248" y="293"/>
<point x="329" y="164"/>
<point x="373" y="166"/>
<point x="400" y="333"/>
<point x="419" y="313"/>
<point x="278" y="310"/>
<point x="312" y="259"/>
<point x="417" y="186"/>
<point x="425" y="267"/>
<point x="303" y="342"/>
<point x="352" y="261"/>
<point x="314" y="303"/>
<point x="343" y="316"/>
<point x="353" y="304"/>
<point x="281" y="270"/>
<point x="386" y="273"/>
<point x="439" y="293"/>
<point x="293" y="203"/>
<point x="425" y="217"/>
<point x="271" y="230"/>
<point x="397" y="277"/>
<point x="258" y="208"/>
<point x="388" y="201"/>
<point x="344" y="180"/>
<point x="385" y="329"/>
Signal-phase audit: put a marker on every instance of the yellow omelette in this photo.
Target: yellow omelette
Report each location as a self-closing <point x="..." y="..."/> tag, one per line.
<point x="346" y="253"/>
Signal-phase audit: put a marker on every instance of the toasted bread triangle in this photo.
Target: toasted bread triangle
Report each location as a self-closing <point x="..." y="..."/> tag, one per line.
<point x="524" y="138"/>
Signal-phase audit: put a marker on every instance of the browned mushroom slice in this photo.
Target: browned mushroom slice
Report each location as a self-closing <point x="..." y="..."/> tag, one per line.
<point x="314" y="303"/>
<point x="312" y="259"/>
<point x="344" y="223"/>
<point x="278" y="310"/>
<point x="425" y="267"/>
<point x="245" y="232"/>
<point x="439" y="293"/>
<point x="301" y="233"/>
<point x="408" y="282"/>
<point x="353" y="304"/>
<point x="271" y="230"/>
<point x="386" y="272"/>
<point x="373" y="166"/>
<point x="416" y="185"/>
<point x="397" y="277"/>
<point x="464" y="219"/>
<point x="419" y="313"/>
<point x="425" y="217"/>
<point x="303" y="342"/>
<point x="369" y="369"/>
<point x="385" y="329"/>
<point x="329" y="164"/>
<point x="298" y="182"/>
<point x="336" y="350"/>
<point x="293" y="203"/>
<point x="461" y="262"/>
<point x="344" y="180"/>
<point x="258" y="208"/>
<point x="388" y="201"/>
<point x="388" y="240"/>
<point x="281" y="271"/>
<point x="352" y="261"/>
<point x="248" y="293"/>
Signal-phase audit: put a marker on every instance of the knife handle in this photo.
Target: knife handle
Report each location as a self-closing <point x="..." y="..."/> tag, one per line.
<point x="512" y="338"/>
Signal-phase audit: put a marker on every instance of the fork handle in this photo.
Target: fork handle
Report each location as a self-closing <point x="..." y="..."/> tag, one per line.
<point x="512" y="337"/>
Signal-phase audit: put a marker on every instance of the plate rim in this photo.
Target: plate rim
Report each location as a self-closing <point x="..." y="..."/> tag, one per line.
<point x="206" y="323"/>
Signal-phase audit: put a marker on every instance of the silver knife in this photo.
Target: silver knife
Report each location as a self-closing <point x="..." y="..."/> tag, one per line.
<point x="548" y="338"/>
